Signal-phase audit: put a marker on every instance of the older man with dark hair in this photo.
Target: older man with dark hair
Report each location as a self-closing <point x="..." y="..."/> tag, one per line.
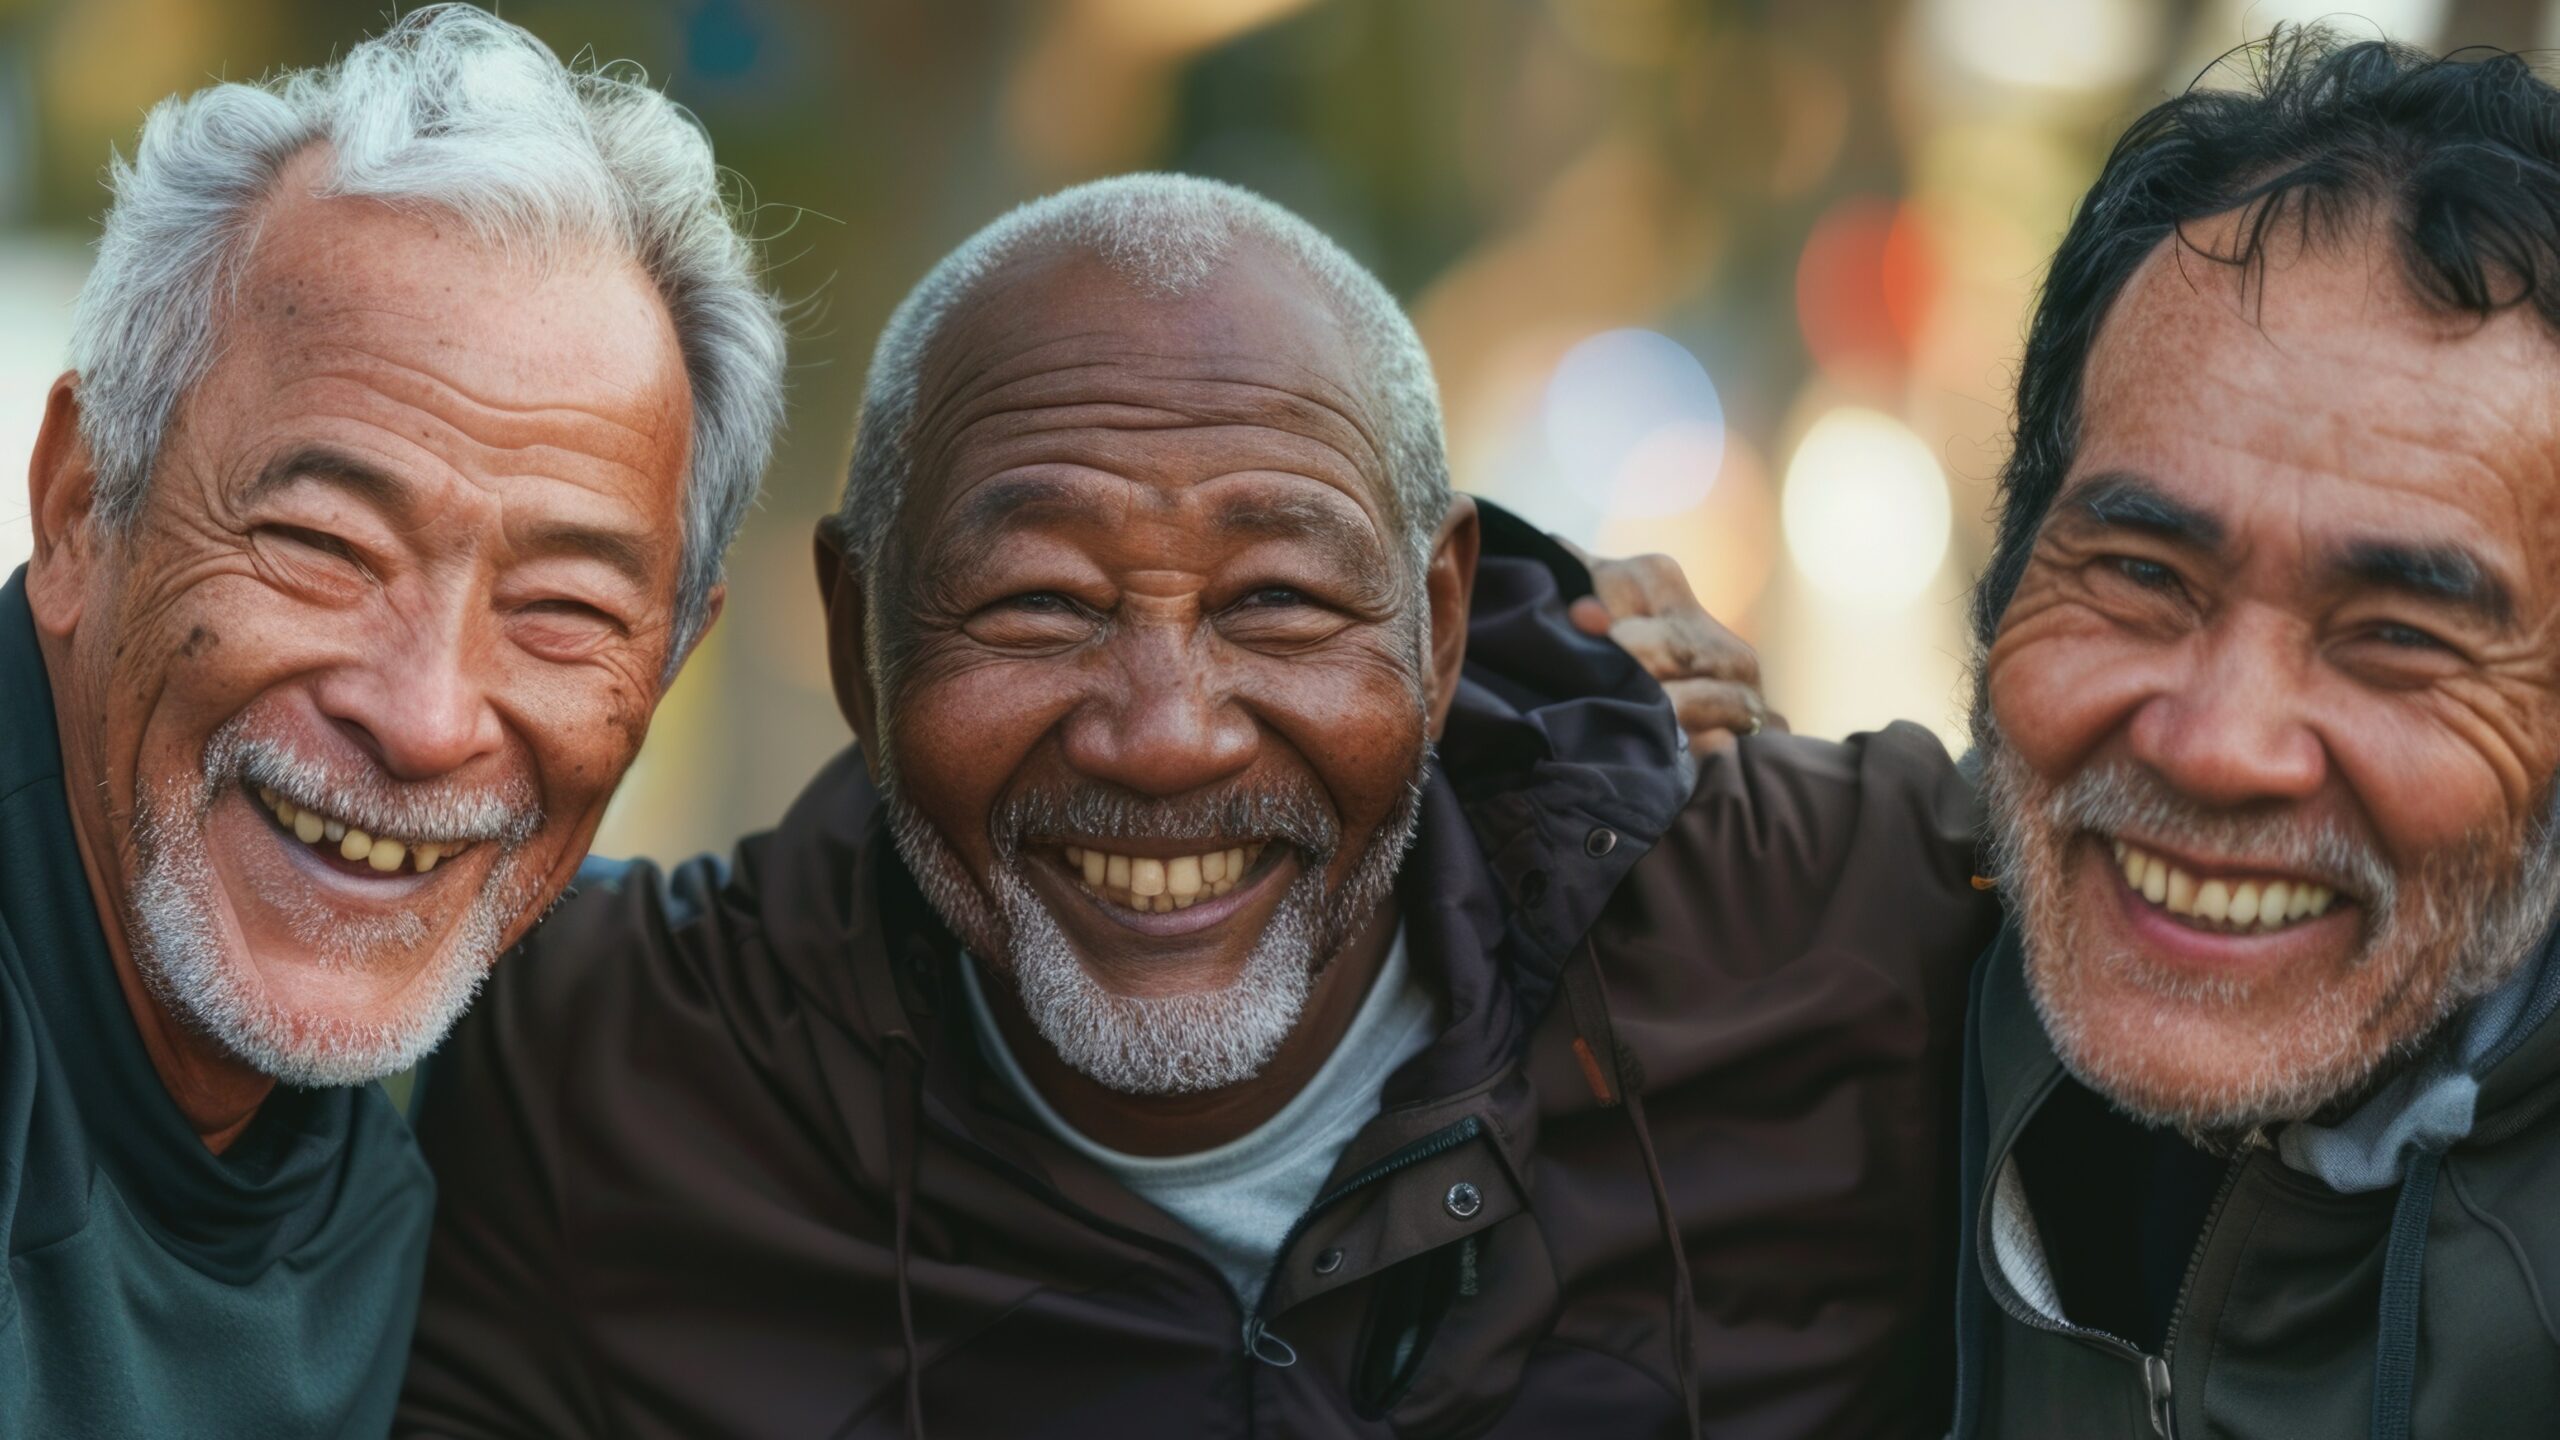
<point x="413" y="402"/>
<point x="2262" y="1138"/>
<point x="1264" y="972"/>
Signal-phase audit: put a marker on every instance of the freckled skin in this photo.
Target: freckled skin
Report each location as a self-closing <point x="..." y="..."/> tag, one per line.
<point x="434" y="644"/>
<point x="2332" y="407"/>
<point x="1167" y="663"/>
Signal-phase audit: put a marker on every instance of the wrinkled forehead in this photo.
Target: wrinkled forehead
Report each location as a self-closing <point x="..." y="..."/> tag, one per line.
<point x="1251" y="367"/>
<point x="2320" y="391"/>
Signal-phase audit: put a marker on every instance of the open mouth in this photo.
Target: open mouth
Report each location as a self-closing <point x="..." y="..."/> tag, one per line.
<point x="2223" y="902"/>
<point x="350" y="848"/>
<point x="1161" y="884"/>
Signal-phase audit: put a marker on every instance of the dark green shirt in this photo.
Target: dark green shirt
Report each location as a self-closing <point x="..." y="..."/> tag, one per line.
<point x="153" y="1287"/>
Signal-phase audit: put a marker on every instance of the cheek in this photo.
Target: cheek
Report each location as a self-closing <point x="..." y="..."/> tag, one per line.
<point x="2428" y="787"/>
<point x="1357" y="721"/>
<point x="960" y="737"/>
<point x="585" y="728"/>
<point x="2061" y="681"/>
<point x="183" y="665"/>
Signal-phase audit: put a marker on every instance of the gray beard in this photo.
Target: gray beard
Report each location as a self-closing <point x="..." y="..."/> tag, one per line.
<point x="1157" y="1044"/>
<point x="2456" y="930"/>
<point x="180" y="952"/>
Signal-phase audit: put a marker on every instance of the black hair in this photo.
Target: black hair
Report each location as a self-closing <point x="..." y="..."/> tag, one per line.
<point x="2459" y="155"/>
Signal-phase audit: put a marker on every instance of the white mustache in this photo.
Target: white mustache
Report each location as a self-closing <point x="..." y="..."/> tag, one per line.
<point x="363" y="796"/>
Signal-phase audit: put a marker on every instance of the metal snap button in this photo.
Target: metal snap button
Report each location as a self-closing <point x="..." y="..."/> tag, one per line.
<point x="1599" y="842"/>
<point x="1328" y="1262"/>
<point x="1464" y="1200"/>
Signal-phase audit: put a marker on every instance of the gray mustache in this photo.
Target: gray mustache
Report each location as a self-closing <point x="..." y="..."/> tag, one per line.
<point x="364" y="796"/>
<point x="1295" y="814"/>
<point x="2119" y="797"/>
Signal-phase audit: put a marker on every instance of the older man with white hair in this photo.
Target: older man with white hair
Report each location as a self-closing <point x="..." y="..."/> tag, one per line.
<point x="413" y="402"/>
<point x="1186" y="1014"/>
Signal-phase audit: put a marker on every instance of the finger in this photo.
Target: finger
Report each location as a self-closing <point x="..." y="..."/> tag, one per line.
<point x="1686" y="650"/>
<point x="1622" y="585"/>
<point x="1588" y="615"/>
<point x="1704" y="705"/>
<point x="1665" y="585"/>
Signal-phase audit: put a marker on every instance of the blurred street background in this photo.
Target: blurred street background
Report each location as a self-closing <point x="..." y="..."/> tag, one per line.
<point x="1742" y="281"/>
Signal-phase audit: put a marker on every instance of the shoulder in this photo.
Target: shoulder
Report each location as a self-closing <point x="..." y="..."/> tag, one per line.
<point x="1811" y="814"/>
<point x="601" y="976"/>
<point x="1861" y="850"/>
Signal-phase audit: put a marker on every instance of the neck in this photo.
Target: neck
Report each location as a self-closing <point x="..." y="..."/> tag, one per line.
<point x="217" y="1092"/>
<point x="1184" y="1124"/>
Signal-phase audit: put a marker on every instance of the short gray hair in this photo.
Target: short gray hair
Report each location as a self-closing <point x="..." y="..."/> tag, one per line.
<point x="456" y="109"/>
<point x="1167" y="235"/>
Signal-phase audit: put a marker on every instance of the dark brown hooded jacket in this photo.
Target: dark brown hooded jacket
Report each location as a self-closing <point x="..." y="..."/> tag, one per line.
<point x="719" y="1155"/>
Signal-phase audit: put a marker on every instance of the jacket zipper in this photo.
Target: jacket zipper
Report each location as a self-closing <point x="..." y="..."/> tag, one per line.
<point x="2155" y="1368"/>
<point x="1441" y="1141"/>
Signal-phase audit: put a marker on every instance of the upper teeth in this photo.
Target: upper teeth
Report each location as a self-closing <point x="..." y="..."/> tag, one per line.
<point x="1158" y="883"/>
<point x="2259" y="905"/>
<point x="382" y="852"/>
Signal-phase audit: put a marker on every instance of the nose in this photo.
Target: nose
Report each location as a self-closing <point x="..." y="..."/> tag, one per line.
<point x="419" y="702"/>
<point x="2228" y="729"/>
<point x="1165" y="724"/>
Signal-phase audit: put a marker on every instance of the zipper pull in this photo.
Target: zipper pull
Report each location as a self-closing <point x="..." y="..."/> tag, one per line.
<point x="2155" y="1384"/>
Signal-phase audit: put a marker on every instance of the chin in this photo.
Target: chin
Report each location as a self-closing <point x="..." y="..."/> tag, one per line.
<point x="2201" y="1065"/>
<point x="328" y="998"/>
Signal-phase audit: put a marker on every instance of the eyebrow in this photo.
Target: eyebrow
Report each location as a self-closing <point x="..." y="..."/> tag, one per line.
<point x="624" y="553"/>
<point x="1347" y="547"/>
<point x="979" y="523"/>
<point x="981" y="520"/>
<point x="367" y="482"/>
<point x="2446" y="574"/>
<point x="2117" y="500"/>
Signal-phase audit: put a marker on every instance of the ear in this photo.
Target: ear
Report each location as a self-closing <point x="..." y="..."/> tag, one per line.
<point x="62" y="492"/>
<point x="1449" y="588"/>
<point x="848" y="643"/>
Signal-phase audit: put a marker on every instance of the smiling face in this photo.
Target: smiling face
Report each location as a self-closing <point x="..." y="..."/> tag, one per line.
<point x="1160" y="677"/>
<point x="344" y="706"/>
<point x="2278" y="699"/>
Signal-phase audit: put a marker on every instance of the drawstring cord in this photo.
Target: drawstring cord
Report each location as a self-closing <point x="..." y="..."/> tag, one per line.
<point x="906" y="1102"/>
<point x="1620" y="1082"/>
<point x="2395" y="1351"/>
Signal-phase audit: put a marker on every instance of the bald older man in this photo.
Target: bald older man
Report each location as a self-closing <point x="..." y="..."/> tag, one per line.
<point x="1263" y="973"/>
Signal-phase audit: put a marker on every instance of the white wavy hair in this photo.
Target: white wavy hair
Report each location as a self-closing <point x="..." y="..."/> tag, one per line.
<point x="454" y="109"/>
<point x="1167" y="235"/>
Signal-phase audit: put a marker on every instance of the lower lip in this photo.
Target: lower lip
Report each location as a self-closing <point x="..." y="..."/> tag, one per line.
<point x="1203" y="916"/>
<point x="2172" y="942"/>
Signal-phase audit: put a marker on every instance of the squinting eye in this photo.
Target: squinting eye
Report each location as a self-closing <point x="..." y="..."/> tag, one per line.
<point x="326" y="544"/>
<point x="2149" y="574"/>
<point x="1042" y="602"/>
<point x="2406" y="637"/>
<point x="570" y="610"/>
<point x="1270" y="596"/>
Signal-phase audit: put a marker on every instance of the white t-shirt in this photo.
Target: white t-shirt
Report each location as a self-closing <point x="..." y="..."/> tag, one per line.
<point x="1241" y="1198"/>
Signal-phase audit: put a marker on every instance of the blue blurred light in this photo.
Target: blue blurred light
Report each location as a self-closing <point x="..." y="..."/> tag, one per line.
<point x="1609" y="396"/>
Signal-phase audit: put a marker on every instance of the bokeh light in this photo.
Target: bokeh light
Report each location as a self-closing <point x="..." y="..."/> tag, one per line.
<point x="1863" y="288"/>
<point x="1866" y="511"/>
<point x="2057" y="45"/>
<point x="1633" y="421"/>
<point x="1726" y="541"/>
